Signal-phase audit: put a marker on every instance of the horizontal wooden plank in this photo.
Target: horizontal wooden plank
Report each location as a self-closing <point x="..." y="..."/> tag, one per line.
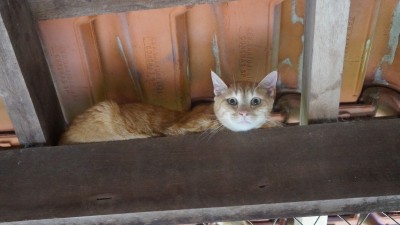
<point x="282" y="172"/>
<point x="293" y="209"/>
<point x="52" y="9"/>
<point x="26" y="83"/>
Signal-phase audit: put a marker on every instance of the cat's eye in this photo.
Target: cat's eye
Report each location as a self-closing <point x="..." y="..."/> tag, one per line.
<point x="255" y="101"/>
<point x="232" y="101"/>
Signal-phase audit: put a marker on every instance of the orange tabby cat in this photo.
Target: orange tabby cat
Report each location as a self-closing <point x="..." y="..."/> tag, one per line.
<point x="240" y="107"/>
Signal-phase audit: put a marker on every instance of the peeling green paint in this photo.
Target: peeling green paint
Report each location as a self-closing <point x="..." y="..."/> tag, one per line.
<point x="295" y="17"/>
<point x="378" y="76"/>
<point x="393" y="36"/>
<point x="287" y="62"/>
<point x="393" y="42"/>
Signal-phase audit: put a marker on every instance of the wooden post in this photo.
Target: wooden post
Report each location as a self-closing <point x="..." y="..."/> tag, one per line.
<point x="26" y="83"/>
<point x="324" y="47"/>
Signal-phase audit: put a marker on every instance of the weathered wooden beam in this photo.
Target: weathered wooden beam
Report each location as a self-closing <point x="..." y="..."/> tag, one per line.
<point x="26" y="83"/>
<point x="51" y="9"/>
<point x="333" y="168"/>
<point x="324" y="47"/>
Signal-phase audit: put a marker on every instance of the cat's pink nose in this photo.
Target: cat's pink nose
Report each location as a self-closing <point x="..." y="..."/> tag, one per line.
<point x="243" y="113"/>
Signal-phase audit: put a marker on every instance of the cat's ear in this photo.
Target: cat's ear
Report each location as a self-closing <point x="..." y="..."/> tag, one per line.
<point x="219" y="85"/>
<point x="269" y="83"/>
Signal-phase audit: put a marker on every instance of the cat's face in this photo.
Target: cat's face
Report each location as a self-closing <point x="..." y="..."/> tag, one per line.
<point x="244" y="106"/>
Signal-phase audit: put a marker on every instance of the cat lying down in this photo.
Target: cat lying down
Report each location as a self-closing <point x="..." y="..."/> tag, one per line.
<point x="241" y="106"/>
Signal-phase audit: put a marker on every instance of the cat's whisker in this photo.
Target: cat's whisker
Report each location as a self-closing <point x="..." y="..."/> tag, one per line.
<point x="210" y="132"/>
<point x="204" y="135"/>
<point x="214" y="131"/>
